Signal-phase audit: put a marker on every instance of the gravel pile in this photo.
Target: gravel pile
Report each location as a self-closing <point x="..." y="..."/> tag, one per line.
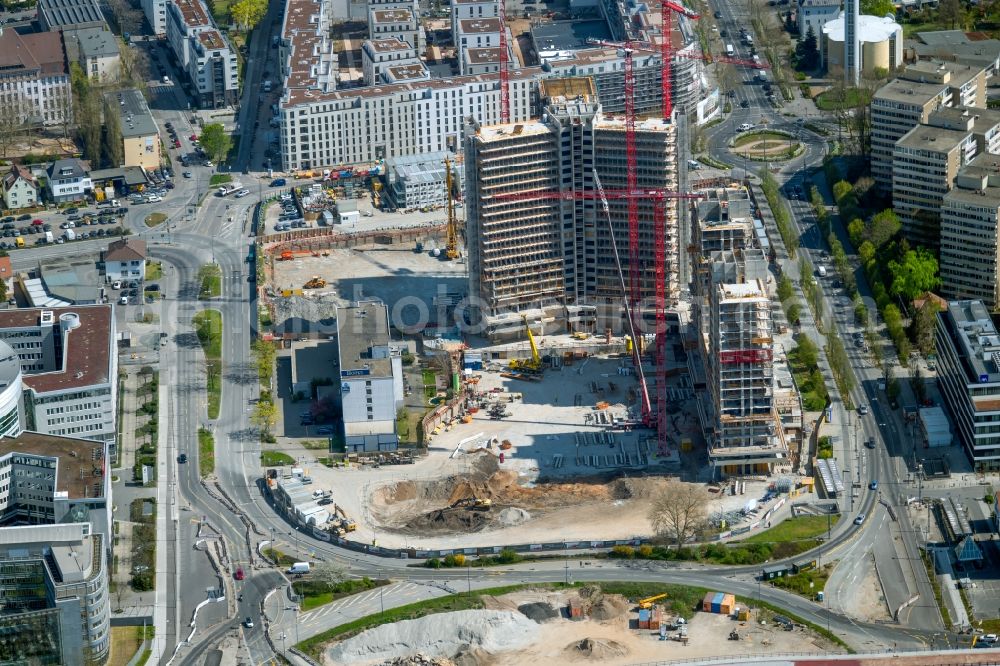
<point x="321" y="311"/>
<point x="442" y="635"/>
<point x="539" y="611"/>
<point x="512" y="516"/>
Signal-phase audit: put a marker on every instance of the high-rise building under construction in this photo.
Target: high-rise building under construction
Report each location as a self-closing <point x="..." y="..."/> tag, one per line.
<point x="540" y="245"/>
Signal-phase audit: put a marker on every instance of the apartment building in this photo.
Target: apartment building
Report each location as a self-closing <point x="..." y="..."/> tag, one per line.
<point x="55" y="522"/>
<point x="203" y="53"/>
<point x="125" y="259"/>
<point x="70" y="366"/>
<point x="402" y="23"/>
<point x="96" y="51"/>
<point x="907" y="101"/>
<point x="371" y="377"/>
<point x="33" y="77"/>
<point x="813" y="14"/>
<point x="155" y="12"/>
<point x="68" y="180"/>
<point x="968" y="349"/>
<point x="472" y="9"/>
<point x="970" y="234"/>
<point x="747" y="437"/>
<point x="141" y="145"/>
<point x="378" y="55"/>
<point x="551" y="256"/>
<point x="418" y="180"/>
<point x="20" y="188"/>
<point x="925" y="162"/>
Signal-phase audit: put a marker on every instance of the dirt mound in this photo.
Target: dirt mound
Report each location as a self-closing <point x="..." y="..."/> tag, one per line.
<point x="539" y="611"/>
<point x="447" y="520"/>
<point x="397" y="492"/>
<point x="596" y="648"/>
<point x="609" y="607"/>
<point x="635" y="488"/>
<point x="512" y="516"/>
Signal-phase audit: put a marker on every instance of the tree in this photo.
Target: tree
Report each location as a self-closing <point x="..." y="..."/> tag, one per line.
<point x="916" y="274"/>
<point x="883" y="227"/>
<point x="785" y="289"/>
<point x="678" y="511"/>
<point x="87" y="112"/>
<point x="951" y="12"/>
<point x="329" y="573"/>
<point x="878" y="8"/>
<point x="807" y="51"/>
<point x="866" y="252"/>
<point x="264" y="415"/>
<point x="922" y="326"/>
<point x="856" y="230"/>
<point x="263" y="355"/>
<point x="790" y="25"/>
<point x="13" y="116"/>
<point x="114" y="148"/>
<point x="215" y="141"/>
<point x="807" y="353"/>
<point x="248" y="13"/>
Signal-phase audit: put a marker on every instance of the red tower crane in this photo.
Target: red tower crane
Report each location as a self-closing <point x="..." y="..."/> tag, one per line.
<point x="504" y="75"/>
<point x="667" y="50"/>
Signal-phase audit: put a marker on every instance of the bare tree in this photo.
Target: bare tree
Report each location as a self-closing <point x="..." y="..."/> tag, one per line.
<point x="114" y="147"/>
<point x="13" y="121"/>
<point x="678" y="511"/>
<point x="128" y="17"/>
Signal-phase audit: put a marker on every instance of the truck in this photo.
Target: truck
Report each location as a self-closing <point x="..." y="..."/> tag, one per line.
<point x="229" y="188"/>
<point x="69" y="235"/>
<point x="299" y="568"/>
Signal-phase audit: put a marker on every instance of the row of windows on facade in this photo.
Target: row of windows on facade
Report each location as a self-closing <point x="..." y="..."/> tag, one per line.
<point x="73" y="408"/>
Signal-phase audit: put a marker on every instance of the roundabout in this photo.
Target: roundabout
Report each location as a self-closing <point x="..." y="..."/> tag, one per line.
<point x="767" y="145"/>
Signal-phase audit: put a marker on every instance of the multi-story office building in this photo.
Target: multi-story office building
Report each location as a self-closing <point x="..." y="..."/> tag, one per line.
<point x="156" y="14"/>
<point x="203" y="53"/>
<point x="907" y="101"/>
<point x="70" y="364"/>
<point x="925" y="162"/>
<point x="553" y="257"/>
<point x="371" y="376"/>
<point x="55" y="522"/>
<point x="33" y="77"/>
<point x="968" y="349"/>
<point x="970" y="233"/>
<point x="747" y="437"/>
<point x="11" y="396"/>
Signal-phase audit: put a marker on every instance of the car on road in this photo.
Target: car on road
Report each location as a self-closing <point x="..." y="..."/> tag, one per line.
<point x="869" y="443"/>
<point x="860" y="520"/>
<point x="325" y="501"/>
<point x="26" y="216"/>
<point x="186" y="174"/>
<point x="718" y="15"/>
<point x="248" y="623"/>
<point x="744" y="104"/>
<point x="182" y="458"/>
<point x="240" y="575"/>
<point x="278" y="182"/>
<point x="745" y="127"/>
<point x="242" y="193"/>
<point x="862" y="409"/>
<point x="210" y="164"/>
<point x="873" y="485"/>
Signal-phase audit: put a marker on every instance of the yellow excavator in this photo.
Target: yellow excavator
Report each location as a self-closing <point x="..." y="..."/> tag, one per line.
<point x="451" y="249"/>
<point x="533" y="364"/>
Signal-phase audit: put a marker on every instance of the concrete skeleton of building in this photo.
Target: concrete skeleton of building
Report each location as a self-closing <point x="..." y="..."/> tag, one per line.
<point x="203" y="54"/>
<point x="970" y="234"/>
<point x="968" y="349"/>
<point x="55" y="546"/>
<point x="549" y="258"/>
<point x="402" y="109"/>
<point x="907" y="101"/>
<point x="371" y="377"/>
<point x="141" y="144"/>
<point x="418" y="180"/>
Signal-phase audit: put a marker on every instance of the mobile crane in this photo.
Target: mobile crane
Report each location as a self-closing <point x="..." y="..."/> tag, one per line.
<point x="533" y="364"/>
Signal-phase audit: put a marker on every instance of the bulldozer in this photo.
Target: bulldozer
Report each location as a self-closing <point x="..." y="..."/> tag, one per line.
<point x="315" y="283"/>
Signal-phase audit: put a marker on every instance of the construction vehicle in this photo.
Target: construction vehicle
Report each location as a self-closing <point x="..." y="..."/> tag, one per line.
<point x="315" y="283"/>
<point x="534" y="364"/>
<point x="451" y="249"/>
<point x="474" y="503"/>
<point x="649" y="601"/>
<point x="288" y="255"/>
<point x="734" y="635"/>
<point x="580" y="335"/>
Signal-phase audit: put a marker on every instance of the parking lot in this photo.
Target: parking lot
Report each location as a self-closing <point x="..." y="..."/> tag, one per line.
<point x="71" y="224"/>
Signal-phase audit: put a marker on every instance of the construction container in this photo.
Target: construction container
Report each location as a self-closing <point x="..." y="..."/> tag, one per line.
<point x="743" y="614"/>
<point x="717" y="600"/>
<point x="727" y="604"/>
<point x="775" y="571"/>
<point x="706" y="603"/>
<point x="575" y="609"/>
<point x="644" y="619"/>
<point x="656" y="619"/>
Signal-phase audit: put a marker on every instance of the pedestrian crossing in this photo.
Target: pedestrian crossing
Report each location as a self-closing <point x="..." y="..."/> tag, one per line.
<point x="366" y="603"/>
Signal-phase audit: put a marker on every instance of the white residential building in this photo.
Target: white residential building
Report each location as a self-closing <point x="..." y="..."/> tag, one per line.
<point x="478" y="33"/>
<point x="814" y="14"/>
<point x="70" y="363"/>
<point x="472" y="9"/>
<point x="125" y="259"/>
<point x="379" y="54"/>
<point x="970" y="234"/>
<point x="156" y="15"/>
<point x="33" y="77"/>
<point x="401" y="23"/>
<point x="69" y="180"/>
<point x="371" y="376"/>
<point x="204" y="54"/>
<point x="20" y="189"/>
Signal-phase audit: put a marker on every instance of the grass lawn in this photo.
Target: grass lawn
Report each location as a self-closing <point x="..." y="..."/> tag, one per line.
<point x="154" y="270"/>
<point x="125" y="642"/>
<point x="806" y="583"/>
<point x="208" y="325"/>
<point x="275" y="459"/>
<point x="210" y="278"/>
<point x="220" y="179"/>
<point x="762" y="136"/>
<point x="853" y="98"/>
<point x="206" y="452"/>
<point x="315" y="444"/>
<point x="277" y="556"/>
<point x="811" y="385"/>
<point x="315" y="593"/>
<point x="155" y="219"/>
<point x="794" y="529"/>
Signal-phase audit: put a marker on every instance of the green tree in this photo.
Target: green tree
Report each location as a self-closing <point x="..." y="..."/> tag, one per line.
<point x="951" y="13"/>
<point x="884" y="226"/>
<point x="114" y="148"/>
<point x="264" y="415"/>
<point x="785" y="289"/>
<point x="857" y="231"/>
<point x="215" y="141"/>
<point x="878" y="7"/>
<point x="807" y="352"/>
<point x="922" y="326"/>
<point x="866" y="251"/>
<point x="807" y="51"/>
<point x="916" y="274"/>
<point x="248" y="13"/>
<point x="87" y="112"/>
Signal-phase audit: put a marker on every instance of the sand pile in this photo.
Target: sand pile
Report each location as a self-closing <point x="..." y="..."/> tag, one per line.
<point x="598" y="649"/>
<point x="609" y="607"/>
<point x="442" y="635"/>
